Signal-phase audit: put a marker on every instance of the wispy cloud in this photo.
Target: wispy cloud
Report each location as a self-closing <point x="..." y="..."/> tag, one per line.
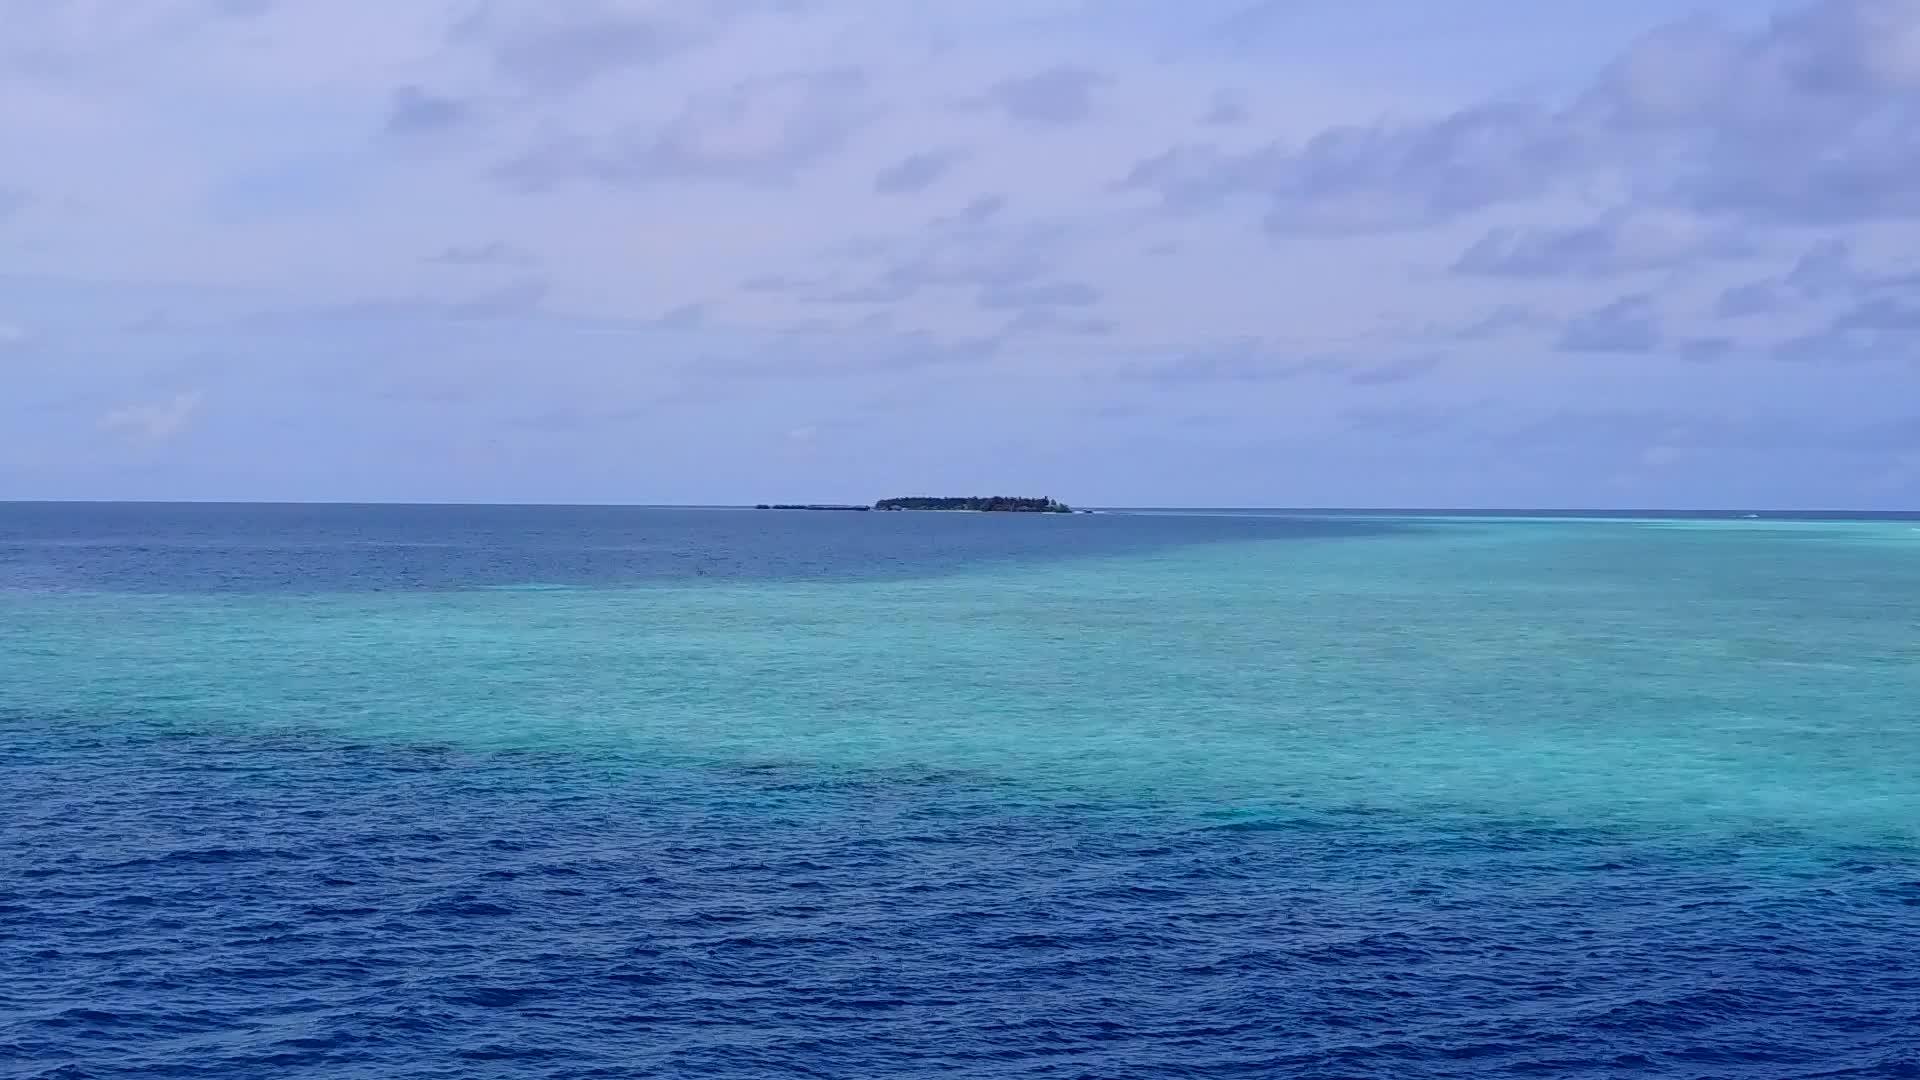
<point x="560" y="47"/>
<point x="154" y="421"/>
<point x="414" y="111"/>
<point x="492" y="253"/>
<point x="1618" y="243"/>
<point x="1055" y="98"/>
<point x="758" y="131"/>
<point x="915" y="172"/>
<point x="1626" y="325"/>
<point x="1368" y="178"/>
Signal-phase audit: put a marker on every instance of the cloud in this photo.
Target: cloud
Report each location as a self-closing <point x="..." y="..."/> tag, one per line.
<point x="516" y="299"/>
<point x="978" y="211"/>
<point x="1896" y="314"/>
<point x="1842" y="342"/>
<point x="759" y="131"/>
<point x="553" y="48"/>
<point x="1227" y="110"/>
<point x="977" y="254"/>
<point x="1019" y="294"/>
<point x="156" y="321"/>
<point x="1811" y="119"/>
<point x="891" y="286"/>
<point x="1246" y="360"/>
<point x="12" y="200"/>
<point x="683" y="317"/>
<point x="519" y="298"/>
<point x="1254" y="361"/>
<point x="1707" y="350"/>
<point x="843" y="353"/>
<point x="414" y="111"/>
<point x="492" y="253"/>
<point x="1621" y="242"/>
<point x="1500" y="322"/>
<point x="1053" y="321"/>
<point x="1369" y="178"/>
<point x="1656" y="437"/>
<point x="915" y="172"/>
<point x="156" y="421"/>
<point x="1396" y="371"/>
<point x="1627" y="325"/>
<point x="1255" y="20"/>
<point x="777" y="283"/>
<point x="1752" y="298"/>
<point x="12" y="336"/>
<point x="574" y="419"/>
<point x="240" y="9"/>
<point x="1056" y="98"/>
<point x="1666" y="433"/>
<point x="1827" y="269"/>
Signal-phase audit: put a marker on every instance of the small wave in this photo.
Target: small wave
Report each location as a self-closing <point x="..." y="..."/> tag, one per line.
<point x="214" y="856"/>
<point x="464" y="906"/>
<point x="494" y="997"/>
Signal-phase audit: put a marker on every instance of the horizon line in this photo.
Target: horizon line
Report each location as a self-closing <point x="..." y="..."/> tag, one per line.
<point x="1300" y="509"/>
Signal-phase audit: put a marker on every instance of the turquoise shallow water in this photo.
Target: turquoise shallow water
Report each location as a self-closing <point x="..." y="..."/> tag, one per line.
<point x="1719" y="675"/>
<point x="1426" y="727"/>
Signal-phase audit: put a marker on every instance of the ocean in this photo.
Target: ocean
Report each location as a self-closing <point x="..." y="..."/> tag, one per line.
<point x="410" y="791"/>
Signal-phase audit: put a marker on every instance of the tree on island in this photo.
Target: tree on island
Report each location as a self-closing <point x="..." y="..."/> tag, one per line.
<point x="985" y="503"/>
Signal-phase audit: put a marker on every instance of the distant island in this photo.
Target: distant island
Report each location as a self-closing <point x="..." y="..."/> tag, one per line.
<point x="983" y="503"/>
<point x="1004" y="504"/>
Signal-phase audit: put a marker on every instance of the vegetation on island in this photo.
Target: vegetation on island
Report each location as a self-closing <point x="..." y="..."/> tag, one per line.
<point x="982" y="503"/>
<point x="987" y="503"/>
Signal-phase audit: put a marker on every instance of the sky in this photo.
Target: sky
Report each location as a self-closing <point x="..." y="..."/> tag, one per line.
<point x="1488" y="253"/>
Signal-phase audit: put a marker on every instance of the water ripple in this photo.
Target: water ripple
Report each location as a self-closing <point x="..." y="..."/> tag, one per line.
<point x="535" y="915"/>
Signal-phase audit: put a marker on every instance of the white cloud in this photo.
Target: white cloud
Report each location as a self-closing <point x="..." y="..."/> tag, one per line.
<point x="156" y="421"/>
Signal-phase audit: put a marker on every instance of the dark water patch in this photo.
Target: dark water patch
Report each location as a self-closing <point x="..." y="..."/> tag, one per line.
<point x="211" y="856"/>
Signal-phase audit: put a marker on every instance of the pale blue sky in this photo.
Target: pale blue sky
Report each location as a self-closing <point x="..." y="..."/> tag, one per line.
<point x="1222" y="252"/>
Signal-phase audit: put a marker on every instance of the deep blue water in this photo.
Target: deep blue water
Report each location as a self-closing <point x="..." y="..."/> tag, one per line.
<point x="208" y="547"/>
<point x="191" y="889"/>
